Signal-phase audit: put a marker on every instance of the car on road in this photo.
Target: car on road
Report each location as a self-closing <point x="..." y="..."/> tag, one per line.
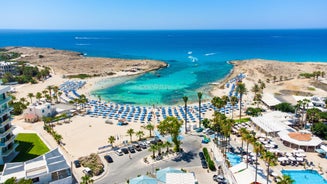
<point x="204" y="164"/>
<point x="124" y="150"/>
<point x="201" y="155"/>
<point x="131" y="149"/>
<point x="77" y="163"/>
<point x="108" y="158"/>
<point x="137" y="147"/>
<point x="198" y="130"/>
<point x="119" y="152"/>
<point x="219" y="178"/>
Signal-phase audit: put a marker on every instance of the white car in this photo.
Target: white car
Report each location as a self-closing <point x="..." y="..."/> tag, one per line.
<point x="119" y="152"/>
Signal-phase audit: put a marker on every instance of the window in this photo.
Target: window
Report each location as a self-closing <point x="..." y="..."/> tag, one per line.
<point x="35" y="180"/>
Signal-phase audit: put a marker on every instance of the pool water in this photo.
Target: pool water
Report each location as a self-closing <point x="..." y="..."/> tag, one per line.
<point x="234" y="159"/>
<point x="305" y="176"/>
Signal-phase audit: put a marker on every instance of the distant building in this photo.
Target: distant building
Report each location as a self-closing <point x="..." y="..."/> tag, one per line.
<point x="7" y="138"/>
<point x="7" y="67"/>
<point x="36" y="111"/>
<point x="49" y="168"/>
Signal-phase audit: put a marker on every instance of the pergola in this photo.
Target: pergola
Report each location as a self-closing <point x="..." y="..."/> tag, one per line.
<point x="309" y="145"/>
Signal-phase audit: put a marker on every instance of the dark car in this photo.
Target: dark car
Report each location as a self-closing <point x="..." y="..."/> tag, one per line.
<point x="204" y="164"/>
<point x="201" y="155"/>
<point x="131" y="149"/>
<point x="137" y="147"/>
<point x="108" y="158"/>
<point x="77" y="163"/>
<point x="124" y="150"/>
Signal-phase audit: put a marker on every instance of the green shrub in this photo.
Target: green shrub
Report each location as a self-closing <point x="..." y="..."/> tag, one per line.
<point x="211" y="164"/>
<point x="285" y="107"/>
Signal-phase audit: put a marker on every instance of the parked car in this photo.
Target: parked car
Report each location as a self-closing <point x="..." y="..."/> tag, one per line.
<point x="77" y="163"/>
<point x="87" y="171"/>
<point x="108" y="158"/>
<point x="204" y="164"/>
<point x="219" y="178"/>
<point x="124" y="150"/>
<point x="198" y="130"/>
<point x="131" y="149"/>
<point x="137" y="147"/>
<point x="143" y="145"/>
<point x="201" y="155"/>
<point x="119" y="152"/>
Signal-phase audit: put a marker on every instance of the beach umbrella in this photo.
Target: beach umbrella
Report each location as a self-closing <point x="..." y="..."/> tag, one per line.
<point x="300" y="159"/>
<point x="281" y="159"/>
<point x="300" y="155"/>
<point x="289" y="154"/>
<point x="292" y="158"/>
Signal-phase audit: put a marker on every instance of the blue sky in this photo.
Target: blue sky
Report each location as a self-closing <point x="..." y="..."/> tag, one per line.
<point x="163" y="14"/>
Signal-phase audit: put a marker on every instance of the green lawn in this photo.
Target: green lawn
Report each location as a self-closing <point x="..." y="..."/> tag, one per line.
<point x="30" y="146"/>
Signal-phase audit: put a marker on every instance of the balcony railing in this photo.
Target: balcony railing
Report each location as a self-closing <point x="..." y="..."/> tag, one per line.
<point x="8" y="130"/>
<point x="6" y="100"/>
<point x="9" y="151"/>
<point x="4" y="123"/>
<point x="7" y="141"/>
<point x="7" y="110"/>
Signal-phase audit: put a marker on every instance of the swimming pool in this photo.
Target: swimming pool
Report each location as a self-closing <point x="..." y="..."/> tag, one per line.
<point x="305" y="176"/>
<point x="234" y="159"/>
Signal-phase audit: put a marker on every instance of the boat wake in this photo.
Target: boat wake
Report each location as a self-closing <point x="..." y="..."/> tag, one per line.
<point x="210" y="54"/>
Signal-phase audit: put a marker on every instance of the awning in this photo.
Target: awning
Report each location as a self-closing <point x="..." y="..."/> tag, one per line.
<point x="321" y="151"/>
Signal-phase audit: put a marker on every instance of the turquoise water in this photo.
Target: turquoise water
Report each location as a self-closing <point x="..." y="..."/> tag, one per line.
<point x="234" y="159"/>
<point x="195" y="58"/>
<point x="305" y="176"/>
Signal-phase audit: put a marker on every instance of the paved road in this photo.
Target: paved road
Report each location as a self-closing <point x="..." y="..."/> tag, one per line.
<point x="124" y="168"/>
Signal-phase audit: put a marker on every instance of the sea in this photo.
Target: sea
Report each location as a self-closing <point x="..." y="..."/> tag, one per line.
<point x="195" y="58"/>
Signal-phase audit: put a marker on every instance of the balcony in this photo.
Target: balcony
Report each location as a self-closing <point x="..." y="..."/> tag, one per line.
<point x="7" y="110"/>
<point x="8" y="141"/>
<point x="9" y="151"/>
<point x="6" y="122"/>
<point x="6" y="100"/>
<point x="6" y="129"/>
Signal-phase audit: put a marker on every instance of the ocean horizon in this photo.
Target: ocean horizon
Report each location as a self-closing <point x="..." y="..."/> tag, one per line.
<point x="196" y="58"/>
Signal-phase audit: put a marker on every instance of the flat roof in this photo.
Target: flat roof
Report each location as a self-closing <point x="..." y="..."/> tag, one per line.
<point x="47" y="163"/>
<point x="270" y="100"/>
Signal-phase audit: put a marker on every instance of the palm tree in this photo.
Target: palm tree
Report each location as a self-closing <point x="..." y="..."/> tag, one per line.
<point x="30" y="95"/>
<point x="257" y="99"/>
<point x="241" y="90"/>
<point x="258" y="148"/>
<point x="55" y="90"/>
<point x="285" y="179"/>
<point x="140" y="134"/>
<point x="38" y="95"/>
<point x="22" y="100"/>
<point x="111" y="140"/>
<point x="99" y="98"/>
<point x="255" y="89"/>
<point x="130" y="132"/>
<point x="323" y="74"/>
<point x="249" y="138"/>
<point x="49" y="88"/>
<point x="270" y="160"/>
<point x="153" y="148"/>
<point x="199" y="97"/>
<point x="225" y="99"/>
<point x="185" y="98"/>
<point x="217" y="102"/>
<point x="168" y="145"/>
<point x="305" y="103"/>
<point x="275" y="78"/>
<point x="262" y="86"/>
<point x="59" y="94"/>
<point x="243" y="133"/>
<point x="86" y="179"/>
<point x="233" y="101"/>
<point x="149" y="127"/>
